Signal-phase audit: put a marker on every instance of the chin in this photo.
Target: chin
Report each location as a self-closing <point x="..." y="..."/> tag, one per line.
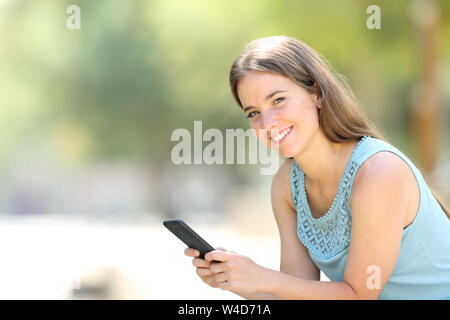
<point x="288" y="153"/>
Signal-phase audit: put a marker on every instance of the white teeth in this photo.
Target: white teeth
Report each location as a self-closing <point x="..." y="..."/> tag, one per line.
<point x="282" y="135"/>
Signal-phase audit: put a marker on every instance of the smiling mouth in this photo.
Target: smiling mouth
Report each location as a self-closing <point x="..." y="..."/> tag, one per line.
<point x="282" y="135"/>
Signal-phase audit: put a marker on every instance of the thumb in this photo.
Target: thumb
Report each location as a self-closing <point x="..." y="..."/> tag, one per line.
<point x="223" y="249"/>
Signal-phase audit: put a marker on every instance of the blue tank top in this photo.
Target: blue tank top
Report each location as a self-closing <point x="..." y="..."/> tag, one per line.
<point x="422" y="270"/>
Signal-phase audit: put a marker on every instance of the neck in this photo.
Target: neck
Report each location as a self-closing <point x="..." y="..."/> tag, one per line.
<point x="323" y="161"/>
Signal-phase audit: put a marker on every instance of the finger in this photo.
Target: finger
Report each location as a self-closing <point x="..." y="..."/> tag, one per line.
<point x="218" y="267"/>
<point x="191" y="252"/>
<point x="203" y="272"/>
<point x="197" y="262"/>
<point x="220" y="249"/>
<point x="209" y="280"/>
<point x="217" y="255"/>
<point x="221" y="277"/>
<point x="223" y="249"/>
<point x="226" y="285"/>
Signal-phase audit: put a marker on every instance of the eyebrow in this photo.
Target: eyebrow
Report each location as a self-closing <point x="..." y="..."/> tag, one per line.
<point x="270" y="95"/>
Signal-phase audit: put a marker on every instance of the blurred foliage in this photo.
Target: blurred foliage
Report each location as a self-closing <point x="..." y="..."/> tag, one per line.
<point x="137" y="70"/>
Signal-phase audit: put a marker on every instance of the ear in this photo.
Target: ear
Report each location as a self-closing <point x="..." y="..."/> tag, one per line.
<point x="317" y="94"/>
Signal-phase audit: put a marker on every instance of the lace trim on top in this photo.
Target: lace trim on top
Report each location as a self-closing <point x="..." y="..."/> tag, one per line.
<point x="328" y="235"/>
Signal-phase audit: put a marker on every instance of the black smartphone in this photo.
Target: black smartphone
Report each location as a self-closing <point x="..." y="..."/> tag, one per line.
<point x="188" y="236"/>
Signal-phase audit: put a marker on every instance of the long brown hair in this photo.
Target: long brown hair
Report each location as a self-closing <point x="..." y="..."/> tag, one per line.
<point x="340" y="117"/>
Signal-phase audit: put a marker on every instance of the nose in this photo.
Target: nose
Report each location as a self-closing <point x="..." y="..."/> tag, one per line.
<point x="268" y="121"/>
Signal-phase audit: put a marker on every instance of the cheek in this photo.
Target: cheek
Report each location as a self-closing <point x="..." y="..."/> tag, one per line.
<point x="305" y="115"/>
<point x="256" y="128"/>
<point x="260" y="133"/>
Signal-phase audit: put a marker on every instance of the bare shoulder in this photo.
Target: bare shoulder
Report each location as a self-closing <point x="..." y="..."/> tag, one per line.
<point x="383" y="174"/>
<point x="281" y="183"/>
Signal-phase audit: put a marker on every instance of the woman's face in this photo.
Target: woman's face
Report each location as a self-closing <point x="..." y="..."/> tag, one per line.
<point x="286" y="112"/>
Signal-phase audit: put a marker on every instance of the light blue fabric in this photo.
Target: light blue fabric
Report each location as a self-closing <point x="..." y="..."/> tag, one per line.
<point x="422" y="270"/>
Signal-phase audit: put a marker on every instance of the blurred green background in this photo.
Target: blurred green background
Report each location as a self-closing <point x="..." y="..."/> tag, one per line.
<point x="87" y="115"/>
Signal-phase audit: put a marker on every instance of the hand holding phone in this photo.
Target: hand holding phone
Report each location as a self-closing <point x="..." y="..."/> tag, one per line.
<point x="180" y="229"/>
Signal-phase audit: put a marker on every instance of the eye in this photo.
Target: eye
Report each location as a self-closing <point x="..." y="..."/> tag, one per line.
<point x="278" y="100"/>
<point x="251" y="114"/>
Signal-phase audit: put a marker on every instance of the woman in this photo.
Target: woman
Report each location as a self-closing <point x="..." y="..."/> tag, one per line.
<point x="345" y="201"/>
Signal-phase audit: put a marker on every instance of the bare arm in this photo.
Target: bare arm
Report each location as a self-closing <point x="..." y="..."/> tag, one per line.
<point x="256" y="296"/>
<point x="379" y="203"/>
